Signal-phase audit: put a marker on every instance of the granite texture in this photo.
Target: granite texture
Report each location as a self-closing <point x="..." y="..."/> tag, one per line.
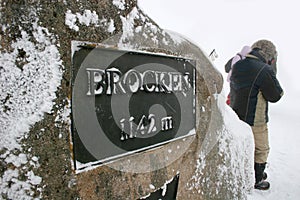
<point x="53" y="145"/>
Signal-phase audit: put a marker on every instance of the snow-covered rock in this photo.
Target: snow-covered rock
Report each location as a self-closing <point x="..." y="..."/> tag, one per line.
<point x="35" y="114"/>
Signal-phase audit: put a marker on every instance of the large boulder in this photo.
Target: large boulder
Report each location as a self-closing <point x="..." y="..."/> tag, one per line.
<point x="36" y="126"/>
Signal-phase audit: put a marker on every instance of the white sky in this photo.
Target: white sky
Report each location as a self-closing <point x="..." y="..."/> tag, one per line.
<point x="227" y="25"/>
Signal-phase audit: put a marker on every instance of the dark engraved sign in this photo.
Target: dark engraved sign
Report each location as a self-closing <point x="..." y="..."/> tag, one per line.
<point x="125" y="102"/>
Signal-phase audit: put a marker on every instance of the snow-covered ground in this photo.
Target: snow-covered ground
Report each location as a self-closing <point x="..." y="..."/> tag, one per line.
<point x="227" y="26"/>
<point x="283" y="167"/>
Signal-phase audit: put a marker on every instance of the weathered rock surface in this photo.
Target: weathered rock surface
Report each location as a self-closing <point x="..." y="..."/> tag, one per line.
<point x="207" y="168"/>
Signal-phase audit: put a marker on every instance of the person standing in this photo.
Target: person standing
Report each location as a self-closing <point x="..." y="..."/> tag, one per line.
<point x="253" y="84"/>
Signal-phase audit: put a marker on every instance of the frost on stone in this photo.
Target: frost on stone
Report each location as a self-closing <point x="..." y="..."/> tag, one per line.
<point x="87" y="18"/>
<point x="128" y="26"/>
<point x="139" y="31"/>
<point x="17" y="161"/>
<point x="162" y="191"/>
<point x="70" y="20"/>
<point x="130" y="30"/>
<point x="33" y="179"/>
<point x="18" y="183"/>
<point x="120" y="4"/>
<point x="29" y="77"/>
<point x="111" y="27"/>
<point x="177" y="39"/>
<point x="152" y="187"/>
<point x="63" y="115"/>
<point x="235" y="148"/>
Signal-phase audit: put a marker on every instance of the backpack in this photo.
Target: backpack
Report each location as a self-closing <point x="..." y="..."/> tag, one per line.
<point x="229" y="63"/>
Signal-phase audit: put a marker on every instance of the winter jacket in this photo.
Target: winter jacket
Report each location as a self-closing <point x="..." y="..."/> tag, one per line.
<point x="253" y="84"/>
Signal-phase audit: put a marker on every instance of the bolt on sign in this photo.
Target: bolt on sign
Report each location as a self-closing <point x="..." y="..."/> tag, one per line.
<point x="125" y="102"/>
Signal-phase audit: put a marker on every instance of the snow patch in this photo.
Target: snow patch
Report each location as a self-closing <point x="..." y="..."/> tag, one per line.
<point x="152" y="187"/>
<point x="163" y="188"/>
<point x="119" y="4"/>
<point x="33" y="179"/>
<point x="87" y="18"/>
<point x="29" y="78"/>
<point x="111" y="27"/>
<point x="14" y="186"/>
<point x="127" y="40"/>
<point x="63" y="114"/>
<point x="128" y="26"/>
<point x="177" y="39"/>
<point x="70" y="20"/>
<point x="235" y="147"/>
<point x="17" y="161"/>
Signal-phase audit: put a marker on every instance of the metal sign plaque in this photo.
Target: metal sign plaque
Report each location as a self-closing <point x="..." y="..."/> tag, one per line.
<point x="125" y="102"/>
